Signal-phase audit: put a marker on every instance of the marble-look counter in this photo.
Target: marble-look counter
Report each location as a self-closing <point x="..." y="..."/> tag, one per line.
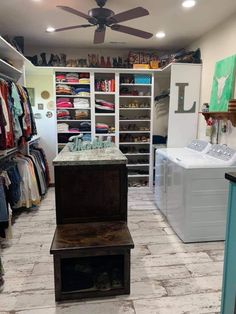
<point x="103" y="156"/>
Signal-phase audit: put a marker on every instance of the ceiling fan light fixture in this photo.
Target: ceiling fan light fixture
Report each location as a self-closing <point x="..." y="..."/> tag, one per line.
<point x="188" y="3"/>
<point x="50" y="29"/>
<point x="160" y="34"/>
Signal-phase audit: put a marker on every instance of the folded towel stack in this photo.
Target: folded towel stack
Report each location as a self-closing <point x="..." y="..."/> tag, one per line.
<point x="81" y="103"/>
<point x="104" y="106"/>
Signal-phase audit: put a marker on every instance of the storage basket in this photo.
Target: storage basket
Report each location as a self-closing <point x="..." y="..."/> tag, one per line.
<point x="142" y="79"/>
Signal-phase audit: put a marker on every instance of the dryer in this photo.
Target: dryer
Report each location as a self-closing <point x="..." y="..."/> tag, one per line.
<point x="196" y="193"/>
<point x="163" y="156"/>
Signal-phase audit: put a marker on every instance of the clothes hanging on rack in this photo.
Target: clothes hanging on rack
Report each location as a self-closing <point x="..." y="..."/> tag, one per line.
<point x="24" y="179"/>
<point x="17" y="124"/>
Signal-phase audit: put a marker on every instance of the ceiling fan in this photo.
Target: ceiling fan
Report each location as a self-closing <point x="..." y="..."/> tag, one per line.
<point x="102" y="18"/>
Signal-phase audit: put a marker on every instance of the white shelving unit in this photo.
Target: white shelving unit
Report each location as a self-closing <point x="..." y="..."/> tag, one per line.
<point x="72" y="122"/>
<point x="137" y="146"/>
<point x="136" y="101"/>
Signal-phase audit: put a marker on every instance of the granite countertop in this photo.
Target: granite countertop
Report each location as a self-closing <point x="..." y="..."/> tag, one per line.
<point x="103" y="156"/>
<point x="231" y="176"/>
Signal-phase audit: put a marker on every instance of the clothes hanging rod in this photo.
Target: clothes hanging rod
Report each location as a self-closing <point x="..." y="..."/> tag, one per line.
<point x="8" y="152"/>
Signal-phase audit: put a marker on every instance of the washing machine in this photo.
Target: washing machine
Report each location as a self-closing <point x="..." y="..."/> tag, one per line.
<point x="196" y="193"/>
<point x="162" y="173"/>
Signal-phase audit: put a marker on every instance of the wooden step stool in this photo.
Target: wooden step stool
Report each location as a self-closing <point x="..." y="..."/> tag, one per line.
<point x="91" y="260"/>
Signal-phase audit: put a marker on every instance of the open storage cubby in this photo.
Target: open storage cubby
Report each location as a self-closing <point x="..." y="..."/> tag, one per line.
<point x="92" y="273"/>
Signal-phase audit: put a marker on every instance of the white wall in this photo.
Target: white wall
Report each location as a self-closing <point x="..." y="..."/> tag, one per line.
<point x="216" y="45"/>
<point x="46" y="127"/>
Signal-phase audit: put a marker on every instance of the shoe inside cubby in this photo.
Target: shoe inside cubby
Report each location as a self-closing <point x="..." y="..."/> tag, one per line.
<point x="95" y="273"/>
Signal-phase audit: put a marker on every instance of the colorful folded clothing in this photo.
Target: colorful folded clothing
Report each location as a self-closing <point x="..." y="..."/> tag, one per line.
<point x="81" y="114"/>
<point x="64" y="103"/>
<point x="87" y="137"/>
<point x="74" y="130"/>
<point x="78" y="90"/>
<point x="62" y="127"/>
<point x="60" y="77"/>
<point x="85" y="126"/>
<point x="63" y="114"/>
<point x="105" y="103"/>
<point x="84" y="81"/>
<point x="63" y="90"/>
<point x="81" y="103"/>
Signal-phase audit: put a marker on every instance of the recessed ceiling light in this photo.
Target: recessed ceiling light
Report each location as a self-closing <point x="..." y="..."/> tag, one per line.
<point x="160" y="34"/>
<point x="188" y="3"/>
<point x="50" y="29"/>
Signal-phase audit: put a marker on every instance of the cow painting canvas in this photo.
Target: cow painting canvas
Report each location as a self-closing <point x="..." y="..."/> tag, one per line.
<point x="223" y="84"/>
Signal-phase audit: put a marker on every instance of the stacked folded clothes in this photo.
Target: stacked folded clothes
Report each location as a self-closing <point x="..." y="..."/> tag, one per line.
<point x="81" y="114"/>
<point x="87" y="137"/>
<point x="81" y="91"/>
<point x="102" y="128"/>
<point x="72" y="77"/>
<point x="63" y="114"/>
<point x="74" y="130"/>
<point x="81" y="103"/>
<point x="104" y="106"/>
<point x="85" y="126"/>
<point x="84" y="80"/>
<point x="63" y="90"/>
<point x="60" y="77"/>
<point x="64" y="103"/>
<point x="62" y="127"/>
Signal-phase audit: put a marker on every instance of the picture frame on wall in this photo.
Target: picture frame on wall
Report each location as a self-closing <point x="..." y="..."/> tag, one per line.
<point x="223" y="84"/>
<point x="31" y="93"/>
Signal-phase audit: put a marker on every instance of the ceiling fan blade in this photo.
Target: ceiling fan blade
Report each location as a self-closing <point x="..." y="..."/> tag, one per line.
<point x="99" y="36"/>
<point x="131" y="31"/>
<point x="76" y="12"/>
<point x="128" y="15"/>
<point x="72" y="27"/>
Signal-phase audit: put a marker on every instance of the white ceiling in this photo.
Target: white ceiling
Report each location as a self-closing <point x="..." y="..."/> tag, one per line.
<point x="30" y="18"/>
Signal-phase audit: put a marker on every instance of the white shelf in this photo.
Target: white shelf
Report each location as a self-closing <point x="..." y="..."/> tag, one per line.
<point x="141" y="120"/>
<point x="72" y="96"/>
<point x="133" y="84"/>
<point x="104" y="93"/>
<point x="73" y="120"/>
<point x="105" y="134"/>
<point x="105" y="114"/>
<point x="71" y="84"/>
<point x="138" y="175"/>
<point x="69" y="108"/>
<point x="137" y="165"/>
<point x="74" y="132"/>
<point x="7" y="51"/>
<point x="135" y="109"/>
<point x="137" y="154"/>
<point x="9" y="71"/>
<point x="124" y="132"/>
<point x="134" y="143"/>
<point x="131" y="96"/>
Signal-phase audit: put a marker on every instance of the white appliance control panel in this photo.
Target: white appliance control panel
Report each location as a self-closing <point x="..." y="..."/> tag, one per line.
<point x="222" y="152"/>
<point x="199" y="146"/>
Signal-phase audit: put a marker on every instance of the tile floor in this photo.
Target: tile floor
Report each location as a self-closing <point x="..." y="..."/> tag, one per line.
<point x="168" y="277"/>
